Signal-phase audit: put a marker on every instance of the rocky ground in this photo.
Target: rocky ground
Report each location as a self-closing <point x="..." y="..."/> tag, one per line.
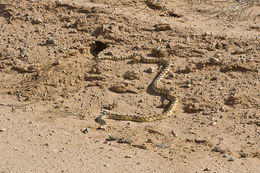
<point x="52" y="87"/>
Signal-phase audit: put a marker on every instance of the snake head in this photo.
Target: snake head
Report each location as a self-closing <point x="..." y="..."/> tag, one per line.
<point x="100" y="121"/>
<point x="100" y="118"/>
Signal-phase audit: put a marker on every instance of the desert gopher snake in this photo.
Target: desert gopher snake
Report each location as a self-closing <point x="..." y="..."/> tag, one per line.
<point x="155" y="86"/>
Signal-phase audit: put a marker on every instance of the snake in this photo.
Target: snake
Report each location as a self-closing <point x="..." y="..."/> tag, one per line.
<point x="139" y="58"/>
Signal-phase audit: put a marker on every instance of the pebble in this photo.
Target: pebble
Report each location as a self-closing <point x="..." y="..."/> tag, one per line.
<point x="50" y="40"/>
<point x="2" y="129"/>
<point x="231" y="159"/>
<point x="214" y="60"/>
<point x="243" y="155"/>
<point x="118" y="89"/>
<point x="137" y="47"/>
<point x="110" y="106"/>
<point x="250" y="142"/>
<point x="150" y="70"/>
<point x="110" y="53"/>
<point x="37" y="21"/>
<point x="128" y="156"/>
<point x="163" y="145"/>
<point x="206" y="169"/>
<point x="140" y="146"/>
<point x="238" y="51"/>
<point x="73" y="31"/>
<point x="207" y="33"/>
<point x="111" y="138"/>
<point x="68" y="24"/>
<point x="149" y="141"/>
<point x="158" y="52"/>
<point x="173" y="133"/>
<point x="85" y="131"/>
<point x="219" y="150"/>
<point x="125" y="141"/>
<point x="162" y="27"/>
<point x="131" y="75"/>
<point x="225" y="155"/>
<point x="57" y="106"/>
<point x="171" y="75"/>
<point x="106" y="165"/>
<point x="213" y="123"/>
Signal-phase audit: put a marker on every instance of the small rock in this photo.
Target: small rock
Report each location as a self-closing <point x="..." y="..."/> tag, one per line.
<point x="123" y="88"/>
<point x="219" y="150"/>
<point x="233" y="100"/>
<point x="200" y="141"/>
<point x="2" y="129"/>
<point x="73" y="31"/>
<point x="192" y="108"/>
<point x="158" y="52"/>
<point x="140" y="146"/>
<point x="131" y="75"/>
<point x="163" y="145"/>
<point x="94" y="77"/>
<point x="206" y="33"/>
<point x="238" y="51"/>
<point x="128" y="156"/>
<point x="206" y="169"/>
<point x="225" y="155"/>
<point x="150" y="70"/>
<point x="218" y="45"/>
<point x="58" y="1"/>
<point x="250" y="142"/>
<point x="173" y="133"/>
<point x="57" y="106"/>
<point x="149" y="141"/>
<point x="213" y="123"/>
<point x="243" y="155"/>
<point x="85" y="131"/>
<point x="141" y="100"/>
<point x="50" y="41"/>
<point x="154" y="131"/>
<point x="118" y="88"/>
<point x="110" y="106"/>
<point x="171" y="75"/>
<point x="137" y="47"/>
<point x="110" y="53"/>
<point x="214" y="60"/>
<point x="111" y="138"/>
<point x="106" y="165"/>
<point x="37" y="21"/>
<point x="124" y="141"/>
<point x="156" y="5"/>
<point x="68" y="24"/>
<point x="164" y="104"/>
<point x="231" y="159"/>
<point x="162" y="27"/>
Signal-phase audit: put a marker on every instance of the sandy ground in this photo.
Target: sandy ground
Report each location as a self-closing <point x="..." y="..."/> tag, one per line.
<point x="52" y="88"/>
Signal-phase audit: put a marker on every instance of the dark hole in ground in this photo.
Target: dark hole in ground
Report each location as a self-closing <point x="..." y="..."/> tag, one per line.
<point x="97" y="47"/>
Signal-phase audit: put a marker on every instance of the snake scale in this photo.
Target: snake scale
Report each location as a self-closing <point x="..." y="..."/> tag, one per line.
<point x="155" y="86"/>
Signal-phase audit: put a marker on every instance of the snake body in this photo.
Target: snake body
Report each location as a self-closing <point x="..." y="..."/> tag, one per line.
<point x="155" y="86"/>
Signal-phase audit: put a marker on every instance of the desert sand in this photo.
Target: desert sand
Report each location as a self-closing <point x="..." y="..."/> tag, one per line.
<point x="52" y="87"/>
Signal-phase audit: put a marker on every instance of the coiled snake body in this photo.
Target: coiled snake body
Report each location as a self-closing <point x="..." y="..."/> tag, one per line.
<point x="155" y="86"/>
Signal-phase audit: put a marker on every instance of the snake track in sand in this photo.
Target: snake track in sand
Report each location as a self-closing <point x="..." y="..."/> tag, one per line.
<point x="155" y="86"/>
